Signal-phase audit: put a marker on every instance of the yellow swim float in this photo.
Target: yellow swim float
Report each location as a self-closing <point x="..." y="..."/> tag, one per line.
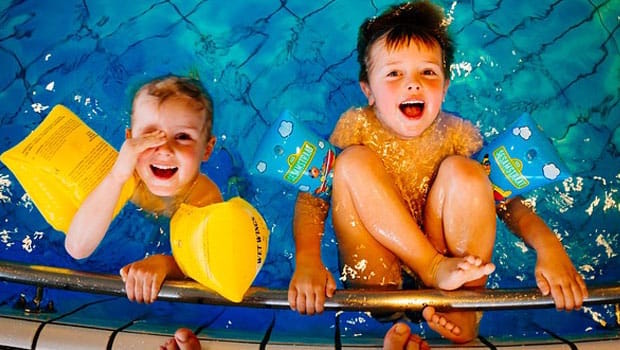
<point x="222" y="246"/>
<point x="60" y="163"/>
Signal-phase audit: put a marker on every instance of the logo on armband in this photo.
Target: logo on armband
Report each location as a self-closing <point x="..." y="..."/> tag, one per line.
<point x="298" y="162"/>
<point x="510" y="167"/>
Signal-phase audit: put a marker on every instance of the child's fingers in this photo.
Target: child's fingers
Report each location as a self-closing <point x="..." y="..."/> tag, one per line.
<point x="569" y="298"/>
<point x="301" y="303"/>
<point x="542" y="284"/>
<point x="130" y="288"/>
<point x="318" y="300"/>
<point x="331" y="285"/>
<point x="558" y="296"/>
<point x="123" y="272"/>
<point x="319" y="303"/>
<point x="137" y="290"/>
<point x="150" y="140"/>
<point x="155" y="287"/>
<point x="582" y="286"/>
<point x="292" y="298"/>
<point x="311" y="301"/>
<point x="573" y="294"/>
<point x="578" y="293"/>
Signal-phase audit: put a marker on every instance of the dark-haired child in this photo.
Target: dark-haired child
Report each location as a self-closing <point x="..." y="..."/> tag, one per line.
<point x="406" y="195"/>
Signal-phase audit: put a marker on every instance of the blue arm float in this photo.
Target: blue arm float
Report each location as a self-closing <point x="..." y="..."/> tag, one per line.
<point x="521" y="159"/>
<point x="292" y="153"/>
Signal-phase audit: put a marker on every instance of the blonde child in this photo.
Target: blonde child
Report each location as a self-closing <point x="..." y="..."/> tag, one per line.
<point x="406" y="196"/>
<point x="170" y="136"/>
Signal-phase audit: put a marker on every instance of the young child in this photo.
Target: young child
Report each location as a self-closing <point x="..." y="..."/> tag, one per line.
<point x="170" y="135"/>
<point x="406" y="196"/>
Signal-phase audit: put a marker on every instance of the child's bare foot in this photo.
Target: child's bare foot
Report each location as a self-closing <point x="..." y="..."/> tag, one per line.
<point x="452" y="273"/>
<point x="459" y="326"/>
<point x="184" y="339"/>
<point x="399" y="337"/>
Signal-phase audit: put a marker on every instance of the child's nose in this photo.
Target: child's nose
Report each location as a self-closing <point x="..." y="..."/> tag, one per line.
<point x="413" y="84"/>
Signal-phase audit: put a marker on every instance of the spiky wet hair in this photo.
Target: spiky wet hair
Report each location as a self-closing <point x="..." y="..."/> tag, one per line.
<point x="419" y="21"/>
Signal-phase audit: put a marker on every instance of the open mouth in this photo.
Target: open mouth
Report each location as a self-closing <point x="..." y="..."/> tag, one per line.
<point x="412" y="109"/>
<point x="163" y="172"/>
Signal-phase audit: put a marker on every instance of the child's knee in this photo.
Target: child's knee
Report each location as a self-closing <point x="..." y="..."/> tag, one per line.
<point x="465" y="173"/>
<point x="353" y="159"/>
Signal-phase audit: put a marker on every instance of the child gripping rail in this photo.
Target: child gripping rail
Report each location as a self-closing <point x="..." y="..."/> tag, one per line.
<point x="80" y="183"/>
<point x="398" y="205"/>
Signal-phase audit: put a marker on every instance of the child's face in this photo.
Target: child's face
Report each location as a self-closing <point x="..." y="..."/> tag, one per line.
<point x="406" y="85"/>
<point x="171" y="168"/>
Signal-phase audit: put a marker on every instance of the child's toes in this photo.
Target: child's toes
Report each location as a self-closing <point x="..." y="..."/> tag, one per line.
<point x="488" y="268"/>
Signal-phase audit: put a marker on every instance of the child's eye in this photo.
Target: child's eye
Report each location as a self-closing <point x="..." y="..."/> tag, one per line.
<point x="183" y="136"/>
<point x="429" y="72"/>
<point x="393" y="74"/>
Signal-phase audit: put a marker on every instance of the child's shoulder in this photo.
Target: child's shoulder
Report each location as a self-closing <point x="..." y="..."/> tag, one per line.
<point x="204" y="192"/>
<point x="454" y="120"/>
<point x="348" y="128"/>
<point x="356" y="117"/>
<point x="355" y="113"/>
<point x="464" y="135"/>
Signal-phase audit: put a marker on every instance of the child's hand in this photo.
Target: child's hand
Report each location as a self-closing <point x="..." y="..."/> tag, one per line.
<point x="143" y="279"/>
<point x="130" y="151"/>
<point x="556" y="274"/>
<point x="308" y="288"/>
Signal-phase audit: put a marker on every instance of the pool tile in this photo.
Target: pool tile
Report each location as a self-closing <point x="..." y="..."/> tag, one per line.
<point x="17" y="333"/>
<point x="55" y="336"/>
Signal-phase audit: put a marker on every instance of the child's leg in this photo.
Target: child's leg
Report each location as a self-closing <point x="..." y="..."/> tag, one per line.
<point x="460" y="221"/>
<point x="375" y="229"/>
<point x="459" y="218"/>
<point x="364" y="261"/>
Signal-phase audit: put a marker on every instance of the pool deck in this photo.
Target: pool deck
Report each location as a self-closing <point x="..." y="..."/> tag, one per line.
<point x="28" y="334"/>
<point x="83" y="321"/>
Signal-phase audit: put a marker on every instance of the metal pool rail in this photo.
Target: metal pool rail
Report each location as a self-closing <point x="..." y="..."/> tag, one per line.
<point x="350" y="299"/>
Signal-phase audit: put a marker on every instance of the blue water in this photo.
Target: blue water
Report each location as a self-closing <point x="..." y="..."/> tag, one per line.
<point x="557" y="60"/>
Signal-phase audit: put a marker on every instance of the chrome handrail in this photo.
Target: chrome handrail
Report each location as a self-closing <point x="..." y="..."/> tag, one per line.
<point x="348" y="299"/>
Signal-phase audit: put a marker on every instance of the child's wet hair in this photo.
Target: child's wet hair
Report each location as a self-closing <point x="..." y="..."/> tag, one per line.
<point x="172" y="86"/>
<point x="399" y="24"/>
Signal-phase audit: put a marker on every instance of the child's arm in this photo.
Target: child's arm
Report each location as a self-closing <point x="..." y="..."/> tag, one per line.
<point x="93" y="218"/>
<point x="554" y="272"/>
<point x="311" y="281"/>
<point x="143" y="279"/>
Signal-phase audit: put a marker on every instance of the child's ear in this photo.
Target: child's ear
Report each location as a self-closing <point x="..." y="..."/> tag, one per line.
<point x="366" y="90"/>
<point x="209" y="148"/>
<point x="446" y="85"/>
<point x="128" y="133"/>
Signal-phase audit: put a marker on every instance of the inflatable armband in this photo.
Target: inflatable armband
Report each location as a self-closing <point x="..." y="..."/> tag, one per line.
<point x="292" y="153"/>
<point x="222" y="246"/>
<point x="60" y="163"/>
<point x="520" y="160"/>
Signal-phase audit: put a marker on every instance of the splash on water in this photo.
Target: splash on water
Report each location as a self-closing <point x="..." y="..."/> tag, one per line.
<point x="38" y="107"/>
<point x="5" y="237"/>
<point x="5" y="192"/>
<point x="602" y="242"/>
<point x="596" y="316"/>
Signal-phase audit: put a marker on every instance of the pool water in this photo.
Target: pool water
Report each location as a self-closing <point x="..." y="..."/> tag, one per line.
<point x="557" y="60"/>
